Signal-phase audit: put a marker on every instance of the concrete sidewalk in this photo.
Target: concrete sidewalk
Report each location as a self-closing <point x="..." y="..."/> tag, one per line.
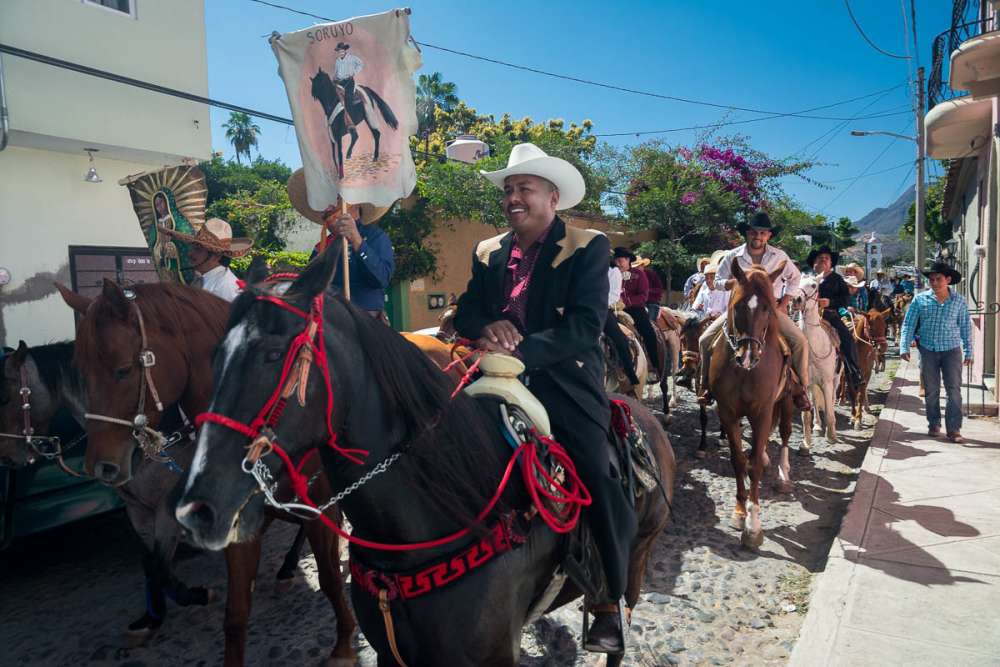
<point x="914" y="575"/>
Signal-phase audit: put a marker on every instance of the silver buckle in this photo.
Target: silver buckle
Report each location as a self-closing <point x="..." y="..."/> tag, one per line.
<point x="147" y="358"/>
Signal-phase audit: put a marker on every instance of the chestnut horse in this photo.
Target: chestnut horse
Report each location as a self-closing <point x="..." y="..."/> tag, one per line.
<point x="140" y="353"/>
<point x="748" y="377"/>
<point x="879" y="322"/>
<point x="420" y="465"/>
<point x="865" y="324"/>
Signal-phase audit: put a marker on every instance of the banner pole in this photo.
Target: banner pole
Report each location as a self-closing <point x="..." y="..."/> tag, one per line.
<point x="345" y="256"/>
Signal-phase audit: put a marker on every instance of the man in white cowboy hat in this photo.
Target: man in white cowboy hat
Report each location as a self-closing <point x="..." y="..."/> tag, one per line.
<point x="758" y="231"/>
<point x="540" y="292"/>
<point x="206" y="248"/>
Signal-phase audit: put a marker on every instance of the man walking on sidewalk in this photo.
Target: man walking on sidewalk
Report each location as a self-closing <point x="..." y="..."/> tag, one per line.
<point x="939" y="318"/>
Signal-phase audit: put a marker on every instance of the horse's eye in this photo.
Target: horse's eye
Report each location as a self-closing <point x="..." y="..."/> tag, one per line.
<point x="275" y="355"/>
<point x="123" y="372"/>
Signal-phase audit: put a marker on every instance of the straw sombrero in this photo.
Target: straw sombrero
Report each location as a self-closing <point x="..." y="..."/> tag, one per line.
<point x="640" y="262"/>
<point x="215" y="236"/>
<point x="300" y="202"/>
<point x="855" y="269"/>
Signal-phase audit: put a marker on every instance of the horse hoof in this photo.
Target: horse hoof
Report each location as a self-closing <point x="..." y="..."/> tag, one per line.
<point x="738" y="521"/>
<point x="784" y="486"/>
<point x="699" y="454"/>
<point x="752" y="540"/>
<point x="134" y="638"/>
<point x="804" y="451"/>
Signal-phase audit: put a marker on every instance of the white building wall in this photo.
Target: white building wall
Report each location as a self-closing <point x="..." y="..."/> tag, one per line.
<point x="164" y="44"/>
<point x="45" y="207"/>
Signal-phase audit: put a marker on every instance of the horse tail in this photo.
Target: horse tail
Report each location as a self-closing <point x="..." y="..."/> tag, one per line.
<point x="383" y="108"/>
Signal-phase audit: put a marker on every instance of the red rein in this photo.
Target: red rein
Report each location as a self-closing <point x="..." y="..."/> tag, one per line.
<point x="570" y="497"/>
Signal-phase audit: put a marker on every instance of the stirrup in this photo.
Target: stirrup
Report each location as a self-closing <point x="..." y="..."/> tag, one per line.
<point x="623" y="619"/>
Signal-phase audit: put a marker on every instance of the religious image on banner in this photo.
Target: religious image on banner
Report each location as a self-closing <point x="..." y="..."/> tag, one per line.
<point x="174" y="198"/>
<point x="351" y="91"/>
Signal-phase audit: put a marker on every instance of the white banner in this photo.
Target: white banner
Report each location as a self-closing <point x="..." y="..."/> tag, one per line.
<point x="367" y="62"/>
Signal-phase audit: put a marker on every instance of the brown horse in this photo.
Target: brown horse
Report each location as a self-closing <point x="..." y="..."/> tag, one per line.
<point x="691" y="332"/>
<point x="748" y="377"/>
<point x="141" y="352"/>
<point x="614" y="374"/>
<point x="879" y="322"/>
<point x="865" y="341"/>
<point x="667" y="326"/>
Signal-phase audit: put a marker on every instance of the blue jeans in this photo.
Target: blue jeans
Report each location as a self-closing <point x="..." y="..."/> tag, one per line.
<point x="933" y="367"/>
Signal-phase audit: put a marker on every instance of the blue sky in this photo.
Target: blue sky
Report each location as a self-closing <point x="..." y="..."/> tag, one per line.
<point x="773" y="55"/>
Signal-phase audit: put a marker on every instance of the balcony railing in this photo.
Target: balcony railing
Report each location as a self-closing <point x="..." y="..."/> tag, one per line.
<point x="938" y="88"/>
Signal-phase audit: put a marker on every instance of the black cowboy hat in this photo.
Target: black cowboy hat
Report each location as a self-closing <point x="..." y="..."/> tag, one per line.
<point x="944" y="270"/>
<point x="342" y="46"/>
<point x="760" y="220"/>
<point x="622" y="251"/>
<point x="822" y="250"/>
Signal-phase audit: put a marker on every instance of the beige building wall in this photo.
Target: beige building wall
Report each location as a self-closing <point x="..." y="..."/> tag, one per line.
<point x="453" y="242"/>
<point x="45" y="207"/>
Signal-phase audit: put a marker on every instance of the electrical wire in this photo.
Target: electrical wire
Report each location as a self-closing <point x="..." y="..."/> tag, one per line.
<point x="862" y="33"/>
<point x="874" y="173"/>
<point x="863" y="173"/>
<point x="555" y="75"/>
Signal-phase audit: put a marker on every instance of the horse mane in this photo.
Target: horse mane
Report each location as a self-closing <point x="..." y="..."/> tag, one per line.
<point x="167" y="307"/>
<point x="757" y="283"/>
<point x="450" y="456"/>
<point x="54" y="362"/>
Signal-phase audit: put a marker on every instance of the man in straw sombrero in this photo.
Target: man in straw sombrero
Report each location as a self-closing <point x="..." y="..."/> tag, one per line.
<point x="206" y="250"/>
<point x="371" y="260"/>
<point x="540" y="292"/>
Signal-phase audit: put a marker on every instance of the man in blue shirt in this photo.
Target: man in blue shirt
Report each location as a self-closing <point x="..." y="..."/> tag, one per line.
<point x="939" y="318"/>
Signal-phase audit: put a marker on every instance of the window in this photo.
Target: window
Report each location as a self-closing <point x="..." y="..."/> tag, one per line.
<point x="126" y="7"/>
<point x="90" y="265"/>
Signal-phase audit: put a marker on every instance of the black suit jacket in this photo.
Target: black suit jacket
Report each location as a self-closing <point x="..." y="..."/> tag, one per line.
<point x="567" y="304"/>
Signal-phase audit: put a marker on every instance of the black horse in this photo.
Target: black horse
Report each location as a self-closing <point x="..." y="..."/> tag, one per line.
<point x="360" y="108"/>
<point x="387" y="397"/>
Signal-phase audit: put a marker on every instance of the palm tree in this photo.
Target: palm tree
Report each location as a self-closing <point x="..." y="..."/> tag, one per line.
<point x="432" y="93"/>
<point x="242" y="132"/>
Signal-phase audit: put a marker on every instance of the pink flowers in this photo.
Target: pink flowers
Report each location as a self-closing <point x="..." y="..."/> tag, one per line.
<point x="689" y="197"/>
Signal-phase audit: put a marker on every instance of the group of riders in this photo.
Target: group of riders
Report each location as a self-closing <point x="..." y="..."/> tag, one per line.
<point x="543" y="292"/>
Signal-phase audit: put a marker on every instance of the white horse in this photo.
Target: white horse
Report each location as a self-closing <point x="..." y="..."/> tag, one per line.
<point x="823" y="374"/>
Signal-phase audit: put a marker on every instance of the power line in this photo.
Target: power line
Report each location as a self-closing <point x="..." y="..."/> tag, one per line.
<point x="862" y="33"/>
<point x="831" y="134"/>
<point x="859" y="176"/>
<point x="555" y="75"/>
<point x="874" y="173"/>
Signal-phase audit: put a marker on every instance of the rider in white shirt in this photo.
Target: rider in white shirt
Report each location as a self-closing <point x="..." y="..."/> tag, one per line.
<point x="712" y="299"/>
<point x="205" y="251"/>
<point x="757" y="251"/>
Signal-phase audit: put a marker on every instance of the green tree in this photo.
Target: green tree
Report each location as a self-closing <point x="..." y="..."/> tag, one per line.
<point x="242" y="133"/>
<point x="937" y="228"/>
<point x="433" y="93"/>
<point x="252" y="198"/>
<point x="844" y="230"/>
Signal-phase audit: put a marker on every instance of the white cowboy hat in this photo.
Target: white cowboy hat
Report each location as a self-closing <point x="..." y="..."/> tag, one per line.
<point x="529" y="159"/>
<point x="215" y="236"/>
<point x="852" y="281"/>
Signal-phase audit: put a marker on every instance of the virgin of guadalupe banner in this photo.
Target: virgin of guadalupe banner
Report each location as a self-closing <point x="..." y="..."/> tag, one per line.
<point x="171" y="197"/>
<point x="366" y="65"/>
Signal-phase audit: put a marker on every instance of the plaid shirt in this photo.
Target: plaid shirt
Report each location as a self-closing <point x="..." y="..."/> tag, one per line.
<point x="939" y="326"/>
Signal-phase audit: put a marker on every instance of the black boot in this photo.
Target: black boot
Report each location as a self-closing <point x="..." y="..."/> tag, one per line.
<point x="606" y="634"/>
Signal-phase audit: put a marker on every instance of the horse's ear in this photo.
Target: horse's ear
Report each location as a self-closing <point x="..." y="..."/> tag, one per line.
<point x="113" y="294"/>
<point x="774" y="275"/>
<point x="886" y="313"/>
<point x="737" y="272"/>
<point x="77" y="302"/>
<point x="257" y="271"/>
<point x="20" y="354"/>
<point x="316" y="278"/>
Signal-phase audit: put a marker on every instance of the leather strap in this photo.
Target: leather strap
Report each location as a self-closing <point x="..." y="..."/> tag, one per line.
<point x="390" y="630"/>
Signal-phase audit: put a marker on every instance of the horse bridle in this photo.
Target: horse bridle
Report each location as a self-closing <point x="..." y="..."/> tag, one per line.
<point x="55" y="449"/>
<point x="730" y="334"/>
<point x="152" y="442"/>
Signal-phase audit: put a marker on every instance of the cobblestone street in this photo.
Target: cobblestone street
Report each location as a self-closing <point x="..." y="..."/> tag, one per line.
<point x="66" y="597"/>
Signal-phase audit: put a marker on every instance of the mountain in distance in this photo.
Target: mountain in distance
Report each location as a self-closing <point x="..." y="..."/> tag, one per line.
<point x="887" y="221"/>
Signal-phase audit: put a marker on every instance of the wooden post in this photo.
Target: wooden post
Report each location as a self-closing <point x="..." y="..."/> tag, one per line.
<point x="345" y="256"/>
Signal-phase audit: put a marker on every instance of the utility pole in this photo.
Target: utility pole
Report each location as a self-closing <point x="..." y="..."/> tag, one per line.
<point x="918" y="231"/>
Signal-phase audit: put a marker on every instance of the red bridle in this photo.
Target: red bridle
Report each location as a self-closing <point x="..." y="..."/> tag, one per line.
<point x="309" y="347"/>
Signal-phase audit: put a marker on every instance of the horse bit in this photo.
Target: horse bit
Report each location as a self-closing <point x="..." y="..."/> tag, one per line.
<point x="152" y="442"/>
<point x="734" y="342"/>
